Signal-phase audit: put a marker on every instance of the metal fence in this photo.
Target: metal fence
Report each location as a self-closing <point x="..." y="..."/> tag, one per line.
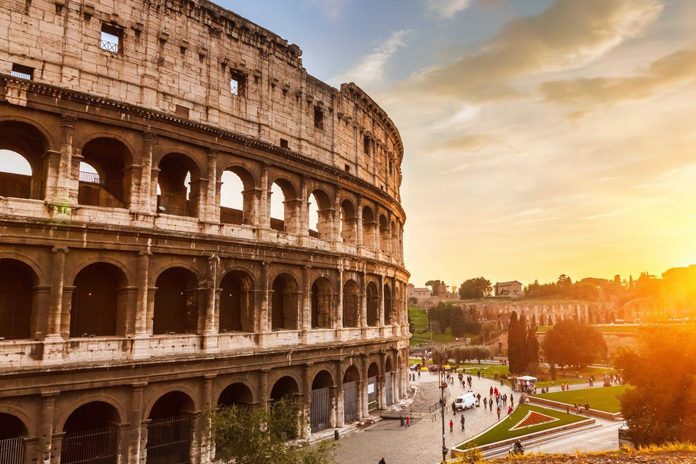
<point x="388" y="388"/>
<point x="350" y="401"/>
<point x="95" y="446"/>
<point x="169" y="440"/>
<point x="89" y="177"/>
<point x="372" y="393"/>
<point x="320" y="413"/>
<point x="12" y="450"/>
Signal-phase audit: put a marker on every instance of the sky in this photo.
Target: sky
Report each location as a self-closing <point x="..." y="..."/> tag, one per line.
<point x="541" y="137"/>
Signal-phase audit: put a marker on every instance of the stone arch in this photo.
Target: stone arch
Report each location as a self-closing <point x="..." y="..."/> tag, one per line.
<point x="372" y="295"/>
<point x="322" y="401"/>
<point x="384" y="234"/>
<point x="284" y="302"/>
<point x="176" y="302"/>
<point x="320" y="214"/>
<point x="388" y="304"/>
<point x="13" y="432"/>
<point x="170" y="430"/>
<point x="99" y="301"/>
<point x="348" y="223"/>
<point x="236" y="302"/>
<point x="237" y="393"/>
<point x="373" y="369"/>
<point x="288" y="205"/>
<point x="373" y="386"/>
<point x="351" y="394"/>
<point x="285" y="386"/>
<point x="369" y="226"/>
<point x="91" y="434"/>
<point x="322" y="298"/>
<point x="237" y="195"/>
<point x="110" y="187"/>
<point x="352" y="374"/>
<point x="17" y="299"/>
<point x="22" y="142"/>
<point x="351" y="304"/>
<point x="178" y="184"/>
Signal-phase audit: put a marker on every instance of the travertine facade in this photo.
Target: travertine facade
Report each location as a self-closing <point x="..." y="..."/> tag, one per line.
<point x="133" y="300"/>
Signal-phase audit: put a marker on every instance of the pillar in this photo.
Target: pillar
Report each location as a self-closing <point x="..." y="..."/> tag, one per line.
<point x="210" y="200"/>
<point x="134" y="445"/>
<point x="363" y="301"/>
<point x="48" y="402"/>
<point x="338" y="320"/>
<point x="381" y="301"/>
<point x="142" y="281"/>
<point x="210" y="323"/>
<point x="263" y="388"/>
<point x="206" y="443"/>
<point x="142" y="201"/>
<point x="305" y="322"/>
<point x="307" y="403"/>
<point x="339" y="402"/>
<point x="303" y="213"/>
<point x="264" y="216"/>
<point x="56" y="298"/>
<point x="359" y="225"/>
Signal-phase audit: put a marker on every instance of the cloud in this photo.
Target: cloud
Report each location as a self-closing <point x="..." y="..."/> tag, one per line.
<point x="448" y="9"/>
<point x="369" y="71"/>
<point x="675" y="69"/>
<point x="331" y="8"/>
<point x="567" y="35"/>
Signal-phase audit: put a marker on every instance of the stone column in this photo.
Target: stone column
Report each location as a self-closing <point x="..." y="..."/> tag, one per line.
<point x="211" y="200"/>
<point x="66" y="310"/>
<point x="262" y="324"/>
<point x="339" y="304"/>
<point x="381" y="301"/>
<point x="307" y="403"/>
<point x="336" y="232"/>
<point x="206" y="443"/>
<point x="263" y="388"/>
<point x="306" y="314"/>
<point x="363" y="301"/>
<point x="53" y="342"/>
<point x="359" y="225"/>
<point x="364" y="409"/>
<point x="61" y="178"/>
<point x="340" y="407"/>
<point x="48" y="402"/>
<point x="303" y="213"/>
<point x="264" y="220"/>
<point x="210" y="326"/>
<point x="154" y="178"/>
<point x="142" y="283"/>
<point x="142" y="201"/>
<point x="134" y="446"/>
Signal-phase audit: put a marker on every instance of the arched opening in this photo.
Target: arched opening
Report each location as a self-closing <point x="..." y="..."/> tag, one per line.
<point x="351" y="304"/>
<point x="283" y="206"/>
<point x="176" y="302"/>
<point x="287" y="390"/>
<point x="348" y="223"/>
<point x="236" y="313"/>
<point x="384" y="234"/>
<point x="91" y="435"/>
<point x="237" y="196"/>
<point x="236" y="394"/>
<point x="17" y="282"/>
<point x="389" y="381"/>
<point x="372" y="387"/>
<point x="98" y="301"/>
<point x="372" y="305"/>
<point x="321" y="303"/>
<point x="388" y="305"/>
<point x="369" y="225"/>
<point x="22" y="161"/>
<point x="322" y="402"/>
<point x="350" y="394"/>
<point x="12" y="435"/>
<point x="320" y="219"/>
<point x="105" y="179"/>
<point x="284" y="303"/>
<point x="178" y="185"/>
<point x="170" y="429"/>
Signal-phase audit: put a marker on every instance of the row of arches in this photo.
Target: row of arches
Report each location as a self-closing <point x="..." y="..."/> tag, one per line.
<point x="107" y="178"/>
<point x="96" y="431"/>
<point x="100" y="296"/>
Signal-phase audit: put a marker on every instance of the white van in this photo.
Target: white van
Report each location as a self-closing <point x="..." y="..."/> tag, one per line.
<point x="465" y="401"/>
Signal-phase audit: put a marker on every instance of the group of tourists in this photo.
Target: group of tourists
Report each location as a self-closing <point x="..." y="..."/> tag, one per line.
<point x="579" y="409"/>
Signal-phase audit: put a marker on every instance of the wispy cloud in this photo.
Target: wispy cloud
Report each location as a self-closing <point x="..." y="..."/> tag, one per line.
<point x="331" y="8"/>
<point x="675" y="69"/>
<point x="369" y="71"/>
<point x="448" y="9"/>
<point x="567" y="35"/>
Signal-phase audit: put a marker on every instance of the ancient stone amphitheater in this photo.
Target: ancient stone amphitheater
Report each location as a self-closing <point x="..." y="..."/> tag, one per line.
<point x="187" y="219"/>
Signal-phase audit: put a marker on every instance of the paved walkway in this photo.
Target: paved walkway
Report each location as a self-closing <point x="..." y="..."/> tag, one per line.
<point x="422" y="442"/>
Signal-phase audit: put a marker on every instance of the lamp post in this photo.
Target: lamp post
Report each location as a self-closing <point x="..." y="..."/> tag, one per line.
<point x="443" y="386"/>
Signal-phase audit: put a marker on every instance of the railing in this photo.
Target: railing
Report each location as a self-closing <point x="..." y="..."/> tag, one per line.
<point x="109" y="46"/>
<point x="89" y="177"/>
<point x="96" y="446"/>
<point x="169" y="440"/>
<point x="12" y="451"/>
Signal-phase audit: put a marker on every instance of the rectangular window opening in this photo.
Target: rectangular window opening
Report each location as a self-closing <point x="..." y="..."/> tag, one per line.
<point x="111" y="38"/>
<point x="284" y="143"/>
<point x="318" y="118"/>
<point x="238" y="84"/>
<point x="181" y="111"/>
<point x="346" y="167"/>
<point x="366" y="145"/>
<point x="22" y="72"/>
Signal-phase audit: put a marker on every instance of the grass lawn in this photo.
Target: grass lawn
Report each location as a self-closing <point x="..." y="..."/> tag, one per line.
<point x="488" y="370"/>
<point x="568" y="376"/>
<point x="502" y="430"/>
<point x="602" y="399"/>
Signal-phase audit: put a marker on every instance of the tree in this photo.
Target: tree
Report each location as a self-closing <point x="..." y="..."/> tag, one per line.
<point x="573" y="343"/>
<point x="479" y="287"/>
<point x="660" y="408"/>
<point x="531" y="350"/>
<point x="480" y="353"/>
<point x="245" y="435"/>
<point x="515" y="345"/>
<point x="458" y="322"/>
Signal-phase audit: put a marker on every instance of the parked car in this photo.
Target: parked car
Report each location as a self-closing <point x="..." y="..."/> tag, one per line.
<point x="465" y="401"/>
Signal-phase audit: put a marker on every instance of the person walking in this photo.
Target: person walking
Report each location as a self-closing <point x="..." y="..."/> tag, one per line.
<point x="451" y="426"/>
<point x="408" y="421"/>
<point x="485" y="402"/>
<point x="462" y="421"/>
<point x="498" y="411"/>
<point x="382" y="461"/>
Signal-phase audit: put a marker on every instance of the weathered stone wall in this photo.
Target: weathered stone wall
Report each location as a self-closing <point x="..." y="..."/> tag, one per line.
<point x="182" y="54"/>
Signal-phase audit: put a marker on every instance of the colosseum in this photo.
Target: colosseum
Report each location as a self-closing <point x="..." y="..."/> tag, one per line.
<point x="188" y="219"/>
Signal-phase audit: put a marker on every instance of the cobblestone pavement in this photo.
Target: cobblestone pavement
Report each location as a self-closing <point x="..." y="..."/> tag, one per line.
<point x="421" y="443"/>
